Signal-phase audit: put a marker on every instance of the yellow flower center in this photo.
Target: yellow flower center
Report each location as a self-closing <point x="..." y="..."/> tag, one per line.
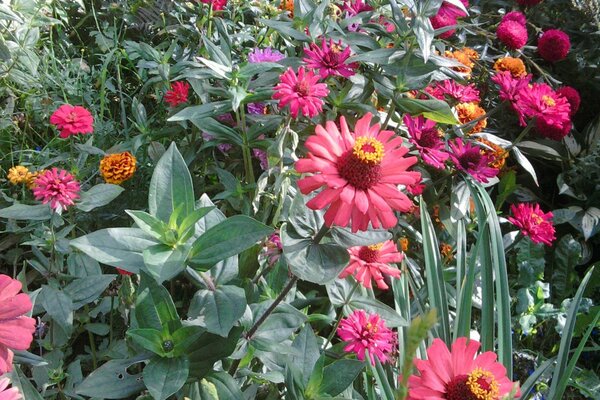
<point x="376" y="247"/>
<point x="368" y="150"/>
<point x="549" y="101"/>
<point x="483" y="385"/>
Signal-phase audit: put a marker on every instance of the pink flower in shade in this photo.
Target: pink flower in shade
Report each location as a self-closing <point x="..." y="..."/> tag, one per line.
<point x="454" y="90"/>
<point x="264" y="55"/>
<point x="360" y="172"/>
<point x="572" y="96"/>
<point x="550" y="110"/>
<point x="16" y="329"/>
<point x="8" y="394"/>
<point x="554" y="45"/>
<point x="415" y="189"/>
<point x="447" y="16"/>
<point x="364" y="332"/>
<point x="178" y="94"/>
<point x="371" y="262"/>
<point x="510" y="87"/>
<point x="426" y="138"/>
<point x="459" y="374"/>
<point x="223" y="147"/>
<point x="468" y="159"/>
<point x="512" y="34"/>
<point x="301" y="92"/>
<point x="355" y="7"/>
<point x="57" y="187"/>
<point x="71" y="120"/>
<point x="329" y="59"/>
<point x="516" y="16"/>
<point x="273" y="249"/>
<point x="217" y="5"/>
<point x="533" y="222"/>
<point x="262" y="158"/>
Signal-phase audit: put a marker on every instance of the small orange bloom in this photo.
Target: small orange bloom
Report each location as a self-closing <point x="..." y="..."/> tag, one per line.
<point x="468" y="112"/>
<point x="117" y="168"/>
<point x="497" y="154"/>
<point x="466" y="56"/>
<point x="287" y="5"/>
<point x="403" y="242"/>
<point x="18" y="174"/>
<point x="446" y="251"/>
<point x="515" y="66"/>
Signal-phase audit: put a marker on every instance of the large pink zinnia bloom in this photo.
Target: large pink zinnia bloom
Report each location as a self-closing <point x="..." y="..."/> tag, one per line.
<point x="451" y="88"/>
<point x="16" y="330"/>
<point x="355" y="7"/>
<point x="371" y="262"/>
<point x="447" y="15"/>
<point x="360" y="172"/>
<point x="459" y="374"/>
<point x="510" y="87"/>
<point x="426" y="138"/>
<point x="71" y="120"/>
<point x="301" y="92"/>
<point x="57" y="187"/>
<point x="365" y="331"/>
<point x="533" y="222"/>
<point x="8" y="394"/>
<point x="330" y="59"/>
<point x="551" y="111"/>
<point x="469" y="159"/>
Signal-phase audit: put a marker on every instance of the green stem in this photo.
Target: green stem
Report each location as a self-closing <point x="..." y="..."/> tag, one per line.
<point x="112" y="306"/>
<point x="322" y="232"/>
<point x="339" y="317"/>
<point x="522" y="134"/>
<point x="92" y="343"/>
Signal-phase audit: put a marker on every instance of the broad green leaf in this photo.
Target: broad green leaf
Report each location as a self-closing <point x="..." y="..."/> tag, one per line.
<point x="280" y="325"/>
<point x="148" y="223"/>
<point x="197" y="113"/>
<point x="308" y="350"/>
<point x="220" y="308"/>
<point x="566" y="256"/>
<point x="112" y="381"/>
<point x="59" y="306"/>
<point x="226" y="387"/>
<point x="391" y="317"/>
<point x="338" y="375"/>
<point x="26" y="389"/>
<point x="286" y="29"/>
<point x="165" y="263"/>
<point x="209" y="349"/>
<point x="98" y="196"/>
<point x="40" y="212"/>
<point x="85" y="290"/>
<point x="165" y="376"/>
<point x="154" y="306"/>
<point x="150" y="339"/>
<point x="435" y="110"/>
<point x="346" y="238"/>
<point x="184" y="338"/>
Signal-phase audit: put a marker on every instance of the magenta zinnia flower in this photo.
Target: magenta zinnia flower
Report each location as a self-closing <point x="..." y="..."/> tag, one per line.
<point x="459" y="374"/>
<point x="554" y="45"/>
<point x="360" y="172"/>
<point x="329" y="59"/>
<point x="58" y="188"/>
<point x="510" y="87"/>
<point x="512" y="34"/>
<point x="301" y="92"/>
<point x="533" y="222"/>
<point x="16" y="329"/>
<point x="447" y="15"/>
<point x="8" y="394"/>
<point x="71" y="120"/>
<point x="217" y="5"/>
<point x="373" y="261"/>
<point x="178" y="94"/>
<point x="468" y="158"/>
<point x="456" y="91"/>
<point x="551" y="111"/>
<point x="364" y="332"/>
<point x="355" y="7"/>
<point x="572" y="96"/>
<point x="426" y="138"/>
<point x="515" y="16"/>
<point x="264" y="55"/>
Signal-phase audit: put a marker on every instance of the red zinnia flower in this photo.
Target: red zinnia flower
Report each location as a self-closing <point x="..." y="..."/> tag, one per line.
<point x="217" y="5"/>
<point x="551" y="111"/>
<point x="512" y="34"/>
<point x="330" y="59"/>
<point x="364" y="332"/>
<point x="554" y="45"/>
<point x="468" y="158"/>
<point x="426" y="138"/>
<point x="8" y="394"/>
<point x="515" y="16"/>
<point x="360" y="171"/>
<point x="368" y="262"/>
<point x="178" y="93"/>
<point x="572" y="96"/>
<point x="71" y="120"/>
<point x="459" y="374"/>
<point x="533" y="222"/>
<point x="16" y="329"/>
<point x="58" y="188"/>
<point x="301" y="92"/>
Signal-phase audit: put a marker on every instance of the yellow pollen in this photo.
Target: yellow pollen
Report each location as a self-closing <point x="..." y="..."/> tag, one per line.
<point x="538" y="220"/>
<point x="483" y="385"/>
<point x="375" y="247"/>
<point x="371" y="328"/>
<point x="549" y="101"/>
<point x="368" y="150"/>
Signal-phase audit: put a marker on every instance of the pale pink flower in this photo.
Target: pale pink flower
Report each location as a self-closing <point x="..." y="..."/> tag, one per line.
<point x="8" y="394"/>
<point x="372" y="262"/>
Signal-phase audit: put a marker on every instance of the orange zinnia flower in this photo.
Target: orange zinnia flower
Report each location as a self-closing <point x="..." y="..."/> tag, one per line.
<point x="496" y="154"/>
<point x="468" y="112"/>
<point x="117" y="168"/>
<point x="515" y="66"/>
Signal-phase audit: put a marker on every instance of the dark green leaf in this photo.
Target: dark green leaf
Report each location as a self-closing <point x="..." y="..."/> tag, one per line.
<point x="220" y="308"/>
<point x="112" y="381"/>
<point x="165" y="376"/>
<point x="338" y="375"/>
<point x="85" y="290"/>
<point x="98" y="196"/>
<point x="40" y="212"/>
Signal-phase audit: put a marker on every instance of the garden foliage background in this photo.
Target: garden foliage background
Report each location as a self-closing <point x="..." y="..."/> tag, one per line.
<point x="178" y="249"/>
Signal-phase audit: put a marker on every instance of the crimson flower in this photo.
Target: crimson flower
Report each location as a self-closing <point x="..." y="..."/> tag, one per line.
<point x="178" y="94"/>
<point x="71" y="120"/>
<point x="217" y="5"/>
<point x="58" y="188"/>
<point x="572" y="96"/>
<point x="447" y="15"/>
<point x="512" y="34"/>
<point x="355" y="7"/>
<point x="373" y="261"/>
<point x="468" y="158"/>
<point x="426" y="138"/>
<point x="550" y="110"/>
<point x="360" y="172"/>
<point x="365" y="332"/>
<point x="533" y="222"/>
<point x="330" y="59"/>
<point x="301" y="92"/>
<point x="554" y="45"/>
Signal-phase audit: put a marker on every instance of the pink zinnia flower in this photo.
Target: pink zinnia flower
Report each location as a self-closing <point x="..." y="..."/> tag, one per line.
<point x="58" y="188"/>
<point x="426" y="138"/>
<point x="301" y="92"/>
<point x="217" y="5"/>
<point x="264" y="55"/>
<point x="447" y="15"/>
<point x="459" y="374"/>
<point x="516" y="16"/>
<point x="512" y="34"/>
<point x="178" y="93"/>
<point x="16" y="329"/>
<point x="359" y="171"/>
<point x="330" y="59"/>
<point x="468" y="158"/>
<point x="273" y="249"/>
<point x="533" y="222"/>
<point x="364" y="332"/>
<point x="71" y="120"/>
<point x="551" y="111"/>
<point x="572" y="96"/>
<point x="510" y="87"/>
<point x="454" y="90"/>
<point x="371" y="262"/>
<point x="554" y="45"/>
<point x="355" y="7"/>
<point x="8" y="394"/>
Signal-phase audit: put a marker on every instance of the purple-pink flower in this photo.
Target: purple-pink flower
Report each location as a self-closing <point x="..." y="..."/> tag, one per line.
<point x="57" y="187"/>
<point x="533" y="222"/>
<point x="426" y="138"/>
<point x="301" y="92"/>
<point x="367" y="332"/>
<point x="454" y="90"/>
<point x="469" y="159"/>
<point x="330" y="59"/>
<point x="8" y="394"/>
<point x="265" y="55"/>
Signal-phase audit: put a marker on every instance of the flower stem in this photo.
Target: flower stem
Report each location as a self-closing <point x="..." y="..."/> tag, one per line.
<point x="511" y="246"/>
<point x="339" y="317"/>
<point x="322" y="232"/>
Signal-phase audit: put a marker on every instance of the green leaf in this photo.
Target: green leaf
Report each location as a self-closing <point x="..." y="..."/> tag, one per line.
<point x="227" y="388"/>
<point x="308" y="352"/>
<point x="165" y="263"/>
<point x="98" y="196"/>
<point x="154" y="306"/>
<point x="338" y="375"/>
<point x="85" y="290"/>
<point x="148" y="338"/>
<point x="165" y="376"/>
<point x="118" y="247"/>
<point x="391" y="317"/>
<point x="149" y="224"/>
<point x="220" y="308"/>
<point x="26" y="389"/>
<point x="112" y="381"/>
<point x="227" y="239"/>
<point x="280" y="325"/>
<point x="40" y="212"/>
<point x="566" y="257"/>
<point x="185" y="337"/>
<point x="346" y="238"/>
<point x="171" y="186"/>
<point x="59" y="306"/>
<point x="435" y="110"/>
<point x="209" y="349"/>
<point x="197" y="113"/>
<point x="286" y="29"/>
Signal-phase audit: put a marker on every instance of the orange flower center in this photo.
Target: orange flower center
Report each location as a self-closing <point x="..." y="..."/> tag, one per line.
<point x="478" y="385"/>
<point x="549" y="101"/>
<point x="360" y="166"/>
